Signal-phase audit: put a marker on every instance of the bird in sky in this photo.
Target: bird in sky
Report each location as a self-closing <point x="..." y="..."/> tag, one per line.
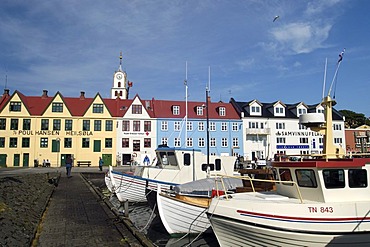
<point x="275" y="18"/>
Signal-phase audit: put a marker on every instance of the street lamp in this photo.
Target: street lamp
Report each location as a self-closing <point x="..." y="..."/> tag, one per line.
<point x="58" y="149"/>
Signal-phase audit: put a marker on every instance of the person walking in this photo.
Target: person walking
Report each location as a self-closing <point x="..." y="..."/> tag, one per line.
<point x="69" y="166"/>
<point x="101" y="162"/>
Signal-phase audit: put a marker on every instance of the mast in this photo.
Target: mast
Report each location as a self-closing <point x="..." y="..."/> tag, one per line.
<point x="207" y="111"/>
<point x="186" y="102"/>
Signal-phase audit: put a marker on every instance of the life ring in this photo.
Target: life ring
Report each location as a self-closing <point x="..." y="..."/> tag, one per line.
<point x="134" y="155"/>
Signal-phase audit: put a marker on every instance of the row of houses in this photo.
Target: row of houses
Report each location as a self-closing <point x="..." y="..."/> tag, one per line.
<point x="127" y="131"/>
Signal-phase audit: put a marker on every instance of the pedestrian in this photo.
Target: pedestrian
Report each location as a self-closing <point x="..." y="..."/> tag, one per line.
<point x="101" y="162"/>
<point x="69" y="166"/>
<point x="146" y="160"/>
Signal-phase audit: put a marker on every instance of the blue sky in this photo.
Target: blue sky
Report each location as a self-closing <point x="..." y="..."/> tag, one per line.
<point x="72" y="46"/>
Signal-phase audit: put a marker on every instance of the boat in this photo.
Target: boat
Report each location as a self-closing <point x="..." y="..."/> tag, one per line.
<point x="320" y="200"/>
<point x="183" y="210"/>
<point x="174" y="166"/>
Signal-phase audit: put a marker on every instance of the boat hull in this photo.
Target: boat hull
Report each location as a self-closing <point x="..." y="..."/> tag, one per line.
<point x="179" y="217"/>
<point x="132" y="188"/>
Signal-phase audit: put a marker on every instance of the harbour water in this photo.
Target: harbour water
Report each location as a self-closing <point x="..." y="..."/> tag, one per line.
<point x="146" y="221"/>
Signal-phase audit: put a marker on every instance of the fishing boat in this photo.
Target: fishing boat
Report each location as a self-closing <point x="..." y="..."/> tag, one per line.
<point x="183" y="210"/>
<point x="320" y="200"/>
<point x="174" y="166"/>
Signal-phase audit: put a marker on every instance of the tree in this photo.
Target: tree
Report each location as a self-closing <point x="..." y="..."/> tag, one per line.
<point x="353" y="119"/>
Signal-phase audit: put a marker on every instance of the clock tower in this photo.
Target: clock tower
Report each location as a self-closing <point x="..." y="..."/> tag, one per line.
<point x="120" y="83"/>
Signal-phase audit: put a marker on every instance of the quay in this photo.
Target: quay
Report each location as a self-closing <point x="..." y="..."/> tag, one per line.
<point x="78" y="215"/>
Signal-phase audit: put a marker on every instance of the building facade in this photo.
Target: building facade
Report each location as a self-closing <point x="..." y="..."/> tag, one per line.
<point x="358" y="140"/>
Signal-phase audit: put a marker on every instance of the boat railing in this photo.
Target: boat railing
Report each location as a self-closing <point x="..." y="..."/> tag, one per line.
<point x="304" y="157"/>
<point x="252" y="183"/>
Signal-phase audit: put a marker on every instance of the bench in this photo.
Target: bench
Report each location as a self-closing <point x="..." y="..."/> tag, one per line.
<point x="87" y="163"/>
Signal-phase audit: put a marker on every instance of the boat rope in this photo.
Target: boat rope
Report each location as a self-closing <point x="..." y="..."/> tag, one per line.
<point x="150" y="219"/>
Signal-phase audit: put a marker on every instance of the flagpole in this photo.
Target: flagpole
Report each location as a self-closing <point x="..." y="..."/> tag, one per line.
<point x="186" y="103"/>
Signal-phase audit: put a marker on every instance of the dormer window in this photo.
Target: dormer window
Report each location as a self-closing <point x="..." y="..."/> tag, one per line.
<point x="57" y="107"/>
<point x="98" y="108"/>
<point x="200" y="110"/>
<point x="176" y="110"/>
<point x="15" y="106"/>
<point x="222" y="111"/>
<point x="279" y="110"/>
<point x="136" y="109"/>
<point x="302" y="111"/>
<point x="255" y="109"/>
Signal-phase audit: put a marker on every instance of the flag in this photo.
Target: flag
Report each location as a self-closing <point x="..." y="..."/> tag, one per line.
<point x="341" y="55"/>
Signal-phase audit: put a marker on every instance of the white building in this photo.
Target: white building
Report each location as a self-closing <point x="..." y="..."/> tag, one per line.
<point x="271" y="128"/>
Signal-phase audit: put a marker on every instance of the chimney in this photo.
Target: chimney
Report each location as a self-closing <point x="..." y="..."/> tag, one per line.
<point x="209" y="99"/>
<point x="6" y="92"/>
<point x="82" y="95"/>
<point x="44" y="93"/>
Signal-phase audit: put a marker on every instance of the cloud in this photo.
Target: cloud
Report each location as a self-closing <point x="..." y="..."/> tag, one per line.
<point x="301" y="37"/>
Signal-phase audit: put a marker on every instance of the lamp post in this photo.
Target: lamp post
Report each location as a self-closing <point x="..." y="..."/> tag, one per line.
<point x="58" y="149"/>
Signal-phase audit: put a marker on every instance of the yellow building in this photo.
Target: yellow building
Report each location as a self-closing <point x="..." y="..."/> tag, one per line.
<point x="38" y="128"/>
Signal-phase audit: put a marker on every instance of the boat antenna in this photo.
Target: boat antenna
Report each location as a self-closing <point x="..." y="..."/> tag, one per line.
<point x="207" y="110"/>
<point x="336" y="71"/>
<point x="323" y="87"/>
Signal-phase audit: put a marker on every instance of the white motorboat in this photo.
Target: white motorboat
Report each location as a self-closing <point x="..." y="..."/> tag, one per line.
<point x="174" y="166"/>
<point x="321" y="200"/>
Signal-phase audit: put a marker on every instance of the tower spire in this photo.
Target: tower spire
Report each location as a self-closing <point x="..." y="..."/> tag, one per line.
<point x="120" y="61"/>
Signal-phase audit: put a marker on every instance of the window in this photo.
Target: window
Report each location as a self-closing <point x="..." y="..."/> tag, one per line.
<point x="26" y="124"/>
<point x="201" y="126"/>
<point x="25" y="142"/>
<point x="68" y="142"/>
<point x="280" y="125"/>
<point x="86" y="125"/>
<point x="200" y="110"/>
<point x="234" y="126"/>
<point x="164" y="141"/>
<point x="222" y="111"/>
<point x="357" y="178"/>
<point x="279" y="110"/>
<point x="13" y="141"/>
<point x="280" y="140"/>
<point x="201" y="142"/>
<point x="285" y="175"/>
<point x="301" y="127"/>
<point x="68" y="124"/>
<point x="85" y="142"/>
<point x="338" y="140"/>
<point x="125" y="142"/>
<point x="223" y="126"/>
<point x="212" y="126"/>
<point x="253" y="125"/>
<point x="97" y="125"/>
<point x="136" y="125"/>
<point x="147" y="142"/>
<point x="212" y="142"/>
<point x="136" y="145"/>
<point x="147" y="126"/>
<point x="164" y="125"/>
<point x="98" y="108"/>
<point x="235" y="142"/>
<point x="189" y="142"/>
<point x="57" y="107"/>
<point x="224" y="142"/>
<point x="136" y="109"/>
<point x="337" y="127"/>
<point x="177" y="126"/>
<point x="2" y="142"/>
<point x="44" y="124"/>
<point x="108" y="125"/>
<point x="306" y="178"/>
<point x="56" y="124"/>
<point x="334" y="178"/>
<point x="2" y="123"/>
<point x="14" y="124"/>
<point x="176" y="110"/>
<point x="255" y="109"/>
<point x="303" y="140"/>
<point x="15" y="106"/>
<point x="44" y="142"/>
<point x="108" y="143"/>
<point x="177" y="142"/>
<point x="125" y="125"/>
<point x="302" y="111"/>
<point x="189" y="126"/>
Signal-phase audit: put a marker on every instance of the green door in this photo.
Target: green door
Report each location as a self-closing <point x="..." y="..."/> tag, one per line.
<point x="97" y="146"/>
<point x="26" y="160"/>
<point x="3" y="160"/>
<point x="17" y="158"/>
<point x="107" y="159"/>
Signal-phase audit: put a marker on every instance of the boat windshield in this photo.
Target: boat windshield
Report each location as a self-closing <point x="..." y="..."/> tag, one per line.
<point x="167" y="160"/>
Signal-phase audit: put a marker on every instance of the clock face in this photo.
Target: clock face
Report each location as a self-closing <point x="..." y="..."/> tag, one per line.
<point x="119" y="76"/>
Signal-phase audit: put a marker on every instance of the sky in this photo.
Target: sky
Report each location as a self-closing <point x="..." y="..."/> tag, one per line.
<point x="234" y="46"/>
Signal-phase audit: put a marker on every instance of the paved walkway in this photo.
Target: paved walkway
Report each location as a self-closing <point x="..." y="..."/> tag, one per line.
<point x="76" y="216"/>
